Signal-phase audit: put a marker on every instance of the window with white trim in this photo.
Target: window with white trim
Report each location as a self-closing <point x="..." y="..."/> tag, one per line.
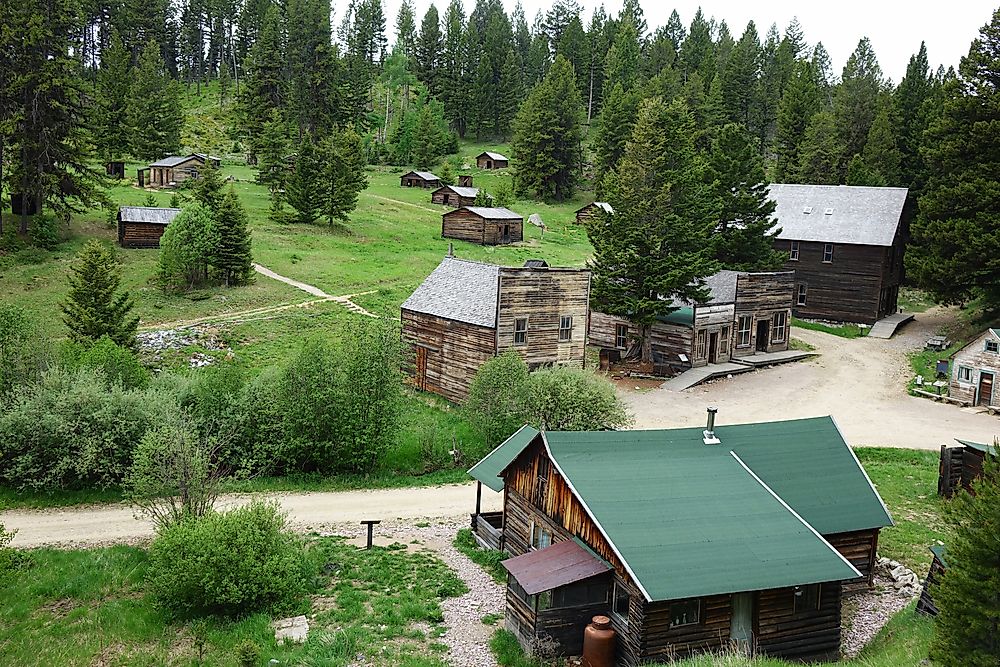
<point x="828" y="253"/>
<point x="800" y="295"/>
<point x="779" y="327"/>
<point x="793" y="251"/>
<point x="964" y="374"/>
<point x="565" y="328"/>
<point x="743" y="330"/>
<point x="619" y="603"/>
<point x="541" y="537"/>
<point x="521" y="331"/>
<point x="700" y="351"/>
<point x="687" y="612"/>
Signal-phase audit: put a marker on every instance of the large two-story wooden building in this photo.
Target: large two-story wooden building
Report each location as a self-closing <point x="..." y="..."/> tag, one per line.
<point x="845" y="244"/>
<point x="467" y="312"/>
<point x="689" y="539"/>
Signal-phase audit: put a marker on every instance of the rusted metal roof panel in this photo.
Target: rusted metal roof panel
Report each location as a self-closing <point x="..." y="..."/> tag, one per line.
<point x="554" y="566"/>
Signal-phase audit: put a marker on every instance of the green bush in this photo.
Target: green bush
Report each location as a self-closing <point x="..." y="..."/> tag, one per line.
<point x="574" y="399"/>
<point x="44" y="232"/>
<point x="230" y="563"/>
<point x="23" y="354"/>
<point x="119" y="366"/>
<point x="185" y="248"/>
<point x="495" y="406"/>
<point x="10" y="559"/>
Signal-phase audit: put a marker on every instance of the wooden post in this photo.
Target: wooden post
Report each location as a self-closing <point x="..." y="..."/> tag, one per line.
<point x="479" y="497"/>
<point x="371" y="528"/>
<point x="944" y="473"/>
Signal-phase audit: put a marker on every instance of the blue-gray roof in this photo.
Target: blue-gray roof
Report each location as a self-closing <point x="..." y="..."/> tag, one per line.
<point x="838" y="213"/>
<point x="461" y="290"/>
<point x="494" y="213"/>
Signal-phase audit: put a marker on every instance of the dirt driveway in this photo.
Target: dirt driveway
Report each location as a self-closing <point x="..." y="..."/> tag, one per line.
<point x="859" y="382"/>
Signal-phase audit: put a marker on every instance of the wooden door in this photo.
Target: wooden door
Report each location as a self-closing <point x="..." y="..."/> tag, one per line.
<point x="763" y="333"/>
<point x="741" y="630"/>
<point x="985" y="388"/>
<point x="420" y="371"/>
<point x="713" y="347"/>
<point x="506" y="234"/>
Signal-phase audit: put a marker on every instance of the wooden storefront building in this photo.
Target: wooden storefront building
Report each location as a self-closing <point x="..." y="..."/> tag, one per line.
<point x="455" y="195"/>
<point x="419" y="179"/>
<point x="142" y="226"/>
<point x="465" y="313"/>
<point x="960" y="466"/>
<point x="975" y="371"/>
<point x="489" y="160"/>
<point x="746" y="313"/>
<point x="690" y="539"/>
<point x="483" y="225"/>
<point x="845" y="244"/>
<point x="592" y="211"/>
<point x="175" y="169"/>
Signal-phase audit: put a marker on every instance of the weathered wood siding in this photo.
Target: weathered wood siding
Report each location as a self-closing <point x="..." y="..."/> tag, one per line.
<point x="484" y="162"/>
<point x="588" y="213"/>
<point x="408" y="181"/>
<point x="668" y="339"/>
<point x="454" y="352"/>
<point x="139" y="234"/>
<point x="180" y="172"/>
<point x="808" y="635"/>
<point x="449" y="197"/>
<point x="661" y="642"/>
<point x="712" y="320"/>
<point x="976" y="357"/>
<point x="543" y="296"/>
<point x="925" y="605"/>
<point x="859" y="547"/>
<point x="763" y="296"/>
<point x="465" y="225"/>
<point x="861" y="284"/>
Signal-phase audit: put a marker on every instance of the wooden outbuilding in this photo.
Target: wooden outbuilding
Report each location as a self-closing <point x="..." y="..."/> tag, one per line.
<point x="465" y="180"/>
<point x="175" y="169"/>
<point x="592" y="211"/>
<point x="960" y="466"/>
<point x="142" y="226"/>
<point x="925" y="605"/>
<point x="689" y="539"/>
<point x="486" y="226"/>
<point x="22" y="204"/>
<point x="455" y="195"/>
<point x="419" y="179"/>
<point x="746" y="313"/>
<point x="975" y="371"/>
<point x="465" y="313"/>
<point x="488" y="160"/>
<point x="845" y="244"/>
<point x="115" y="169"/>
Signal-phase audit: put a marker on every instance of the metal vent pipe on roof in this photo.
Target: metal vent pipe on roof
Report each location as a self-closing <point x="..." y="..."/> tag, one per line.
<point x="709" y="433"/>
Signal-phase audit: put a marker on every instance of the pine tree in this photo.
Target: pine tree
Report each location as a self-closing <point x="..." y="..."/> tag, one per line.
<point x="111" y="131"/>
<point x="454" y="62"/>
<point x="429" y="47"/>
<point x="264" y="89"/>
<point x="657" y="244"/>
<point x="225" y="81"/>
<point x="857" y="99"/>
<point x="304" y="190"/>
<point x="614" y="128"/>
<point x="272" y="147"/>
<point x="739" y="80"/>
<point x="860" y="172"/>
<point x="573" y="46"/>
<point x="798" y="105"/>
<point x="675" y="30"/>
<point x="94" y="306"/>
<point x="622" y="63"/>
<point x="208" y="187"/>
<point x="820" y="151"/>
<point x="745" y="232"/>
<point x="312" y="66"/>
<point x="967" y="628"/>
<point x="230" y="254"/>
<point x="822" y="67"/>
<point x="697" y="53"/>
<point x="406" y="29"/>
<point x="155" y="114"/>
<point x="547" y="135"/>
<point x="881" y="152"/>
<point x="911" y="107"/>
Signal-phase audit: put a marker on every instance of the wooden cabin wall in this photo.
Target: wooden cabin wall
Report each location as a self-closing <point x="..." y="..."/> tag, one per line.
<point x="925" y="604"/>
<point x="860" y="548"/>
<point x="543" y="296"/>
<point x="455" y="351"/>
<point x="811" y="635"/>
<point x="566" y="625"/>
<point x="762" y="295"/>
<point x="667" y="338"/>
<point x="497" y="164"/>
<point x="712" y="319"/>
<point x="464" y="225"/>
<point x="950" y="470"/>
<point x="519" y="618"/>
<point x="454" y="199"/>
<point x="588" y="213"/>
<point x="846" y="289"/>
<point x="660" y="642"/>
<point x="139" y="234"/>
<point x="976" y="357"/>
<point x="493" y="231"/>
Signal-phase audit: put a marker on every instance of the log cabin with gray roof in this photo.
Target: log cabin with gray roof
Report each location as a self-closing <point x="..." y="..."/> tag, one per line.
<point x="689" y="539"/>
<point x="845" y="244"/>
<point x="175" y="169"/>
<point x="593" y="211"/>
<point x="455" y="195"/>
<point x="142" y="226"/>
<point x="419" y="179"/>
<point x="491" y="160"/>
<point x="483" y="225"/>
<point x="465" y="313"/>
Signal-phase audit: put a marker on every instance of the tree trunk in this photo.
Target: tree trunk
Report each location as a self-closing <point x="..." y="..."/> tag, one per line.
<point x="645" y="331"/>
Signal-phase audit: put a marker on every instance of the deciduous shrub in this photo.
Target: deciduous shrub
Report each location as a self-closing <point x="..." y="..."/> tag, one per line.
<point x="230" y="563"/>
<point x="118" y="366"/>
<point x="23" y="355"/>
<point x="185" y="249"/>
<point x="573" y="399"/>
<point x="10" y="559"/>
<point x="496" y="405"/>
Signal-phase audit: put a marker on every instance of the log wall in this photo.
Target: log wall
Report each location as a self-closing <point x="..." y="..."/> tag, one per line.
<point x="975" y="356"/>
<point x="925" y="605"/>
<point x="588" y="213"/>
<point x="139" y="234"/>
<point x="668" y="339"/>
<point x="464" y="225"/>
<point x="484" y="162"/>
<point x="808" y="635"/>
<point x="453" y="198"/>
<point x="860" y="548"/>
<point x="454" y="352"/>
<point x="661" y="642"/>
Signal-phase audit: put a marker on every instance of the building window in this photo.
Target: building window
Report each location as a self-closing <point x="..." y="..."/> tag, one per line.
<point x="521" y="331"/>
<point x="579" y="594"/>
<point x="565" y="328"/>
<point x="519" y="592"/>
<point x="992" y="346"/>
<point x="800" y="296"/>
<point x="619" y="603"/>
<point x="724" y="341"/>
<point x="828" y="253"/>
<point x="743" y="331"/>
<point x="806" y="598"/>
<point x="793" y="251"/>
<point x="964" y="374"/>
<point x="541" y="537"/>
<point x="778" y="329"/>
<point x="621" y="336"/>
<point x="700" y="352"/>
<point x="685" y="613"/>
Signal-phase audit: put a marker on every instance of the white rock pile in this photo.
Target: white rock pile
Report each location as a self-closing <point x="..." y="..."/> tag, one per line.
<point x="155" y="343"/>
<point x="904" y="580"/>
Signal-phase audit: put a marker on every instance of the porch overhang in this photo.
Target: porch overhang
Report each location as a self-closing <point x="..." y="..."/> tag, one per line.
<point x="558" y="565"/>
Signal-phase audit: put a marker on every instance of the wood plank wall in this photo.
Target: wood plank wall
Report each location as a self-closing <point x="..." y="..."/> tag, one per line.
<point x="860" y="548"/>
<point x="925" y="604"/>
<point x="660" y="642"/>
<point x="455" y="351"/>
<point x="808" y="635"/>
<point x="588" y="213"/>
<point x="667" y="339"/>
<point x="454" y="199"/>
<point x="975" y="356"/>
<point x="762" y="296"/>
<point x="464" y="225"/>
<point x="139" y="234"/>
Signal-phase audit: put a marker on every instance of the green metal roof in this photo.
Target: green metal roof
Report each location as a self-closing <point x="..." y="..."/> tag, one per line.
<point x="986" y="449"/>
<point x="689" y="519"/>
<point x="939" y="551"/>
<point x="683" y="316"/>
<point x="488" y="470"/>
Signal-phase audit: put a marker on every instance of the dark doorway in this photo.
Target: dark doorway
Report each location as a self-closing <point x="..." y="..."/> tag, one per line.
<point x="506" y="234"/>
<point x="489" y="164"/>
<point x="985" y="389"/>
<point x="763" y="334"/>
<point x="713" y="347"/>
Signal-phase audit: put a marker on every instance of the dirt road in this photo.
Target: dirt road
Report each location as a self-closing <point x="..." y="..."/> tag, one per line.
<point x="859" y="382"/>
<point x="115" y="524"/>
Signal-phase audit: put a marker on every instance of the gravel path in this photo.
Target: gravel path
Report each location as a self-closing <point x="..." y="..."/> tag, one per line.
<point x="315" y="291"/>
<point x="866" y="613"/>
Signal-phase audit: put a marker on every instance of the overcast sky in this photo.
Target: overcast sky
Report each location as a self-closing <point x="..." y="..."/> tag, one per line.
<point x="895" y="27"/>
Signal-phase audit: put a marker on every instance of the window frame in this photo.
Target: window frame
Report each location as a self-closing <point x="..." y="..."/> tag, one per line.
<point x="995" y="345"/>
<point x="724" y="340"/>
<point x="542" y="533"/>
<point x="566" y="320"/>
<point x="808" y="591"/>
<point x="740" y="331"/>
<point x="686" y="603"/>
<point x="619" y="591"/>
<point x="828" y="253"/>
<point x="701" y="345"/>
<point x="621" y="336"/>
<point x="964" y="370"/>
<point x="555" y="598"/>
<point x="523" y="333"/>
<point x="793" y="251"/>
<point x="775" y="327"/>
<point x="800" y="294"/>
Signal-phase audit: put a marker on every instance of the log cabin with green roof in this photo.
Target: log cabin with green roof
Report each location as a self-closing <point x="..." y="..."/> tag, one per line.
<point x="690" y="539"/>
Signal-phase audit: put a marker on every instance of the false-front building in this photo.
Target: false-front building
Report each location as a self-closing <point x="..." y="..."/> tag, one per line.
<point x="419" y="179"/>
<point x="465" y="313"/>
<point x="975" y="370"/>
<point x="845" y="244"/>
<point x="142" y="226"/>
<point x="689" y="539"/>
<point x="455" y="195"/>
<point x="176" y="169"/>
<point x="483" y="225"/>
<point x="488" y="160"/>
<point x="746" y="313"/>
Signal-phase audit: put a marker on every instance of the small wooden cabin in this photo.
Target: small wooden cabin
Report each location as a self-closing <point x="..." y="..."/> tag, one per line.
<point x="960" y="466"/>
<point x="925" y="605"/>
<point x="488" y="160"/>
<point x="975" y="370"/>
<point x="142" y="226"/>
<point x="592" y="211"/>
<point x="419" y="179"/>
<point x="465" y="180"/>
<point x="486" y="226"/>
<point x="845" y="244"/>
<point x="467" y="312"/>
<point x="455" y="195"/>
<point x="175" y="169"/>
<point x="746" y="313"/>
<point x="21" y="204"/>
<point x="690" y="539"/>
<point x="115" y="169"/>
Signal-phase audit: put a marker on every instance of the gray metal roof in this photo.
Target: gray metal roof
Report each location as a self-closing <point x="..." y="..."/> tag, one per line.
<point x="426" y="175"/>
<point x="722" y="289"/>
<point x="838" y="213"/>
<point x="461" y="191"/>
<point x="174" y="160"/>
<point x="494" y="213"/>
<point x="148" y="214"/>
<point x="493" y="156"/>
<point x="603" y="205"/>
<point x="459" y="289"/>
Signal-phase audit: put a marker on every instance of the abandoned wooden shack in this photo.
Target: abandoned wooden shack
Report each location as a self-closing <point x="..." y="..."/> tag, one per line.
<point x="746" y="313"/>
<point x="845" y="244"/>
<point x="142" y="226"/>
<point x="593" y="211"/>
<point x="419" y="179"/>
<point x="22" y="204"/>
<point x="455" y="195"/>
<point x="488" y="160"/>
<point x="960" y="466"/>
<point x="690" y="539"/>
<point x="465" y="180"/>
<point x="467" y="312"/>
<point x="975" y="370"/>
<point x="175" y="169"/>
<point x="486" y="226"/>
<point x="925" y="605"/>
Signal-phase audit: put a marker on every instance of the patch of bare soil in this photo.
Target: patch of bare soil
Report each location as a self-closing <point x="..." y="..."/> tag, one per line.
<point x="108" y="655"/>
